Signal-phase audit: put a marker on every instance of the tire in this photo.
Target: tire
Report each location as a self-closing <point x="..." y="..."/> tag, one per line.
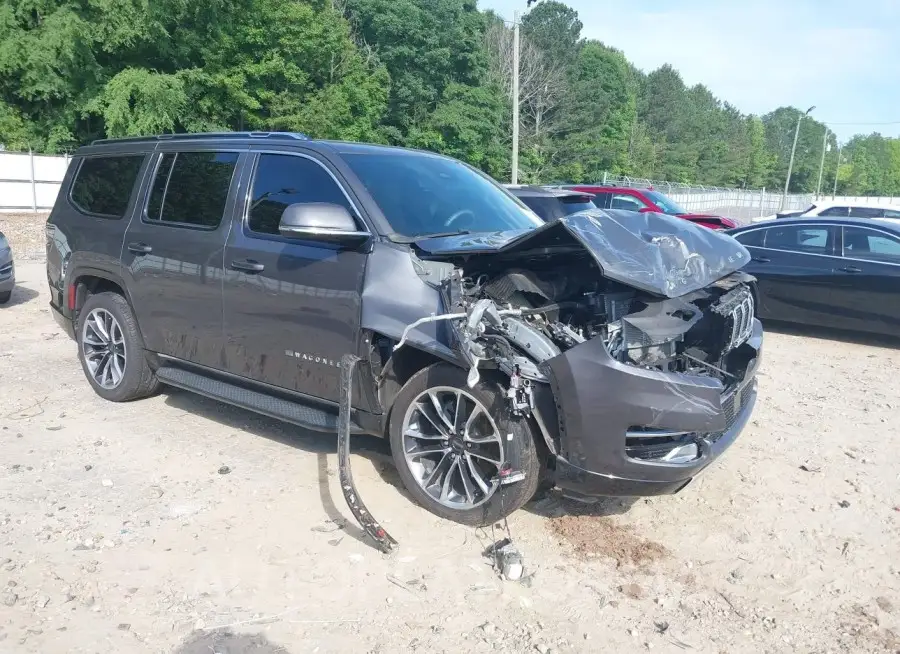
<point x="137" y="379"/>
<point x="517" y="448"/>
<point x="4" y="297"/>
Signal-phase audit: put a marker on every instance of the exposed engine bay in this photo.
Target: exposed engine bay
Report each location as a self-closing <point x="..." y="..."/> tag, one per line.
<point x="514" y="315"/>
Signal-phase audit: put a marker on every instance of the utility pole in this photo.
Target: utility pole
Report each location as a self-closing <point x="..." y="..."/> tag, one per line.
<point x="515" y="125"/>
<point x="822" y="163"/>
<point x="787" y="182"/>
<point x="837" y="169"/>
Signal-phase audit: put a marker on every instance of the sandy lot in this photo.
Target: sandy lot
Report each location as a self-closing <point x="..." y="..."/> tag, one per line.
<point x="118" y="532"/>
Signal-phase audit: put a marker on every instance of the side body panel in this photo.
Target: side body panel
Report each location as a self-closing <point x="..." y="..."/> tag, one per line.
<point x="794" y="286"/>
<point x="394" y="296"/>
<point x="80" y="244"/>
<point x="289" y="323"/>
<point x="176" y="286"/>
<point x="867" y="293"/>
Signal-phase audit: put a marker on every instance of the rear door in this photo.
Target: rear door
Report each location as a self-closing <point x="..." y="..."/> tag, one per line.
<point x="292" y="306"/>
<point x="795" y="268"/>
<point x="173" y="252"/>
<point x="867" y="286"/>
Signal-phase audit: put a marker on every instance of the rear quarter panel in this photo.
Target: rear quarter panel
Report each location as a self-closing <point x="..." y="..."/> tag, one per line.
<point x="83" y="244"/>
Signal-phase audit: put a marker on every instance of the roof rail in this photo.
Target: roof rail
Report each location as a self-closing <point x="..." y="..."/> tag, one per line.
<point x="206" y="135"/>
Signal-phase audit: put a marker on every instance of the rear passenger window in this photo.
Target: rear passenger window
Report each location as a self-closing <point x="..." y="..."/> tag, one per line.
<point x="103" y="185"/>
<point x="753" y="239"/>
<point x="282" y="180"/>
<point x="870" y="245"/>
<point x="835" y="211"/>
<point x="812" y="240"/>
<point x="191" y="188"/>
<point x="866" y="212"/>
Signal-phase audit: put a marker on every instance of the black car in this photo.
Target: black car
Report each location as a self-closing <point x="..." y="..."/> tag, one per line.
<point x="832" y="272"/>
<point x="550" y="204"/>
<point x="7" y="270"/>
<point x="612" y="357"/>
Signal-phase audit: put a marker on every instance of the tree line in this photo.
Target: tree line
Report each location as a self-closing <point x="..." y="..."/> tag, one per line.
<point x="433" y="74"/>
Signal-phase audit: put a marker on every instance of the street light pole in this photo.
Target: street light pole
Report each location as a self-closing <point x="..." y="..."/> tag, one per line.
<point x="515" y="125"/>
<point x="787" y="182"/>
<point x="837" y="169"/>
<point x="822" y="163"/>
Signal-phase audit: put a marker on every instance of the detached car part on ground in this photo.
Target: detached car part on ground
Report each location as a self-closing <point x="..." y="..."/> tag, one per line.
<point x="609" y="353"/>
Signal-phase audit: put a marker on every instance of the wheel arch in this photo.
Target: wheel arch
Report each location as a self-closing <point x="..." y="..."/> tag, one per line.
<point x="87" y="281"/>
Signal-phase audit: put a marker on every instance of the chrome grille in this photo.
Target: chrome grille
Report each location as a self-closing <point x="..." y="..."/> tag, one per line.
<point x="741" y="322"/>
<point x="737" y="307"/>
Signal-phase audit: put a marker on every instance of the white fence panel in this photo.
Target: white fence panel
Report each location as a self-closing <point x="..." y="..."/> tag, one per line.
<point x="30" y="182"/>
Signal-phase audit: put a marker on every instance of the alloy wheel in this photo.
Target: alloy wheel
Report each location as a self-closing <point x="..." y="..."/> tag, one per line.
<point x="452" y="447"/>
<point x="103" y="348"/>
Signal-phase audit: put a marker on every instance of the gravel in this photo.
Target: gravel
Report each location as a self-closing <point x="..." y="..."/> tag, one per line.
<point x="811" y="576"/>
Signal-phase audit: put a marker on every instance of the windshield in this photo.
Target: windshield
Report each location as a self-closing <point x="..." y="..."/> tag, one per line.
<point x="551" y="208"/>
<point x="421" y="194"/>
<point x="668" y="205"/>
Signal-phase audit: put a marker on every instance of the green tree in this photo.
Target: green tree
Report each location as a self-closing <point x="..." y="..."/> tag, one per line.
<point x="426" y="47"/>
<point x="599" y="114"/>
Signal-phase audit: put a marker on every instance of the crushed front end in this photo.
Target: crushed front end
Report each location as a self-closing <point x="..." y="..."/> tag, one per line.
<point x="631" y="343"/>
<point x="645" y="406"/>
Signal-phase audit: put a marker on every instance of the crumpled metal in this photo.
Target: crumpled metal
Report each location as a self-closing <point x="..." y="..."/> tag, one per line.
<point x="652" y="252"/>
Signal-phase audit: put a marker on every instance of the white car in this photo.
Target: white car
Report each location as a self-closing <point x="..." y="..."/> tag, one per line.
<point x="840" y="209"/>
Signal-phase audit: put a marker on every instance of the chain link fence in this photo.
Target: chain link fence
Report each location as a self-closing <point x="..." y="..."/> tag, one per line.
<point x="740" y="204"/>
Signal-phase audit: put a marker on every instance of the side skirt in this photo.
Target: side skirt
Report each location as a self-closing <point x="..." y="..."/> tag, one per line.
<point x="291" y="411"/>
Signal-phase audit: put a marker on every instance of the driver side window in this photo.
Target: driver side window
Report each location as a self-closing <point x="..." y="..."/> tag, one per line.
<point x="282" y="180"/>
<point x="627" y="202"/>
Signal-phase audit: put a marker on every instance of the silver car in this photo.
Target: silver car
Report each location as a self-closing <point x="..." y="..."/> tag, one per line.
<point x="7" y="270"/>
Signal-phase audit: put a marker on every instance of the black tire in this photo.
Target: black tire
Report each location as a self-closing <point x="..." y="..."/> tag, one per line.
<point x="138" y="380"/>
<point x="518" y="433"/>
<point x="4" y="297"/>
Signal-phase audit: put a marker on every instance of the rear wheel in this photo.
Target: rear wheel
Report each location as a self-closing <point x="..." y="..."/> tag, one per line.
<point x="451" y="442"/>
<point x="111" y="349"/>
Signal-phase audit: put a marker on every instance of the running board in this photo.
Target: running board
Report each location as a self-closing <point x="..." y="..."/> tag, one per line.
<point x="301" y="415"/>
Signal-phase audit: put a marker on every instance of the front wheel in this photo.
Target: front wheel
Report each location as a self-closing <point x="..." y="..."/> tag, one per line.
<point x="450" y="444"/>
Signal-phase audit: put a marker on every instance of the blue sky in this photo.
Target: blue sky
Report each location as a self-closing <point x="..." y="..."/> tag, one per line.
<point x="841" y="55"/>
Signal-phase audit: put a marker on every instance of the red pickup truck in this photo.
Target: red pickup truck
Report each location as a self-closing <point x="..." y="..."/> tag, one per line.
<point x="639" y="199"/>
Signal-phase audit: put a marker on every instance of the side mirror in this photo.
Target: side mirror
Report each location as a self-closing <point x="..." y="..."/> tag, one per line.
<point x="646" y="210"/>
<point x="320" y="221"/>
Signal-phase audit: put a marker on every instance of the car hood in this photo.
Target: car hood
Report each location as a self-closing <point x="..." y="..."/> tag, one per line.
<point x="652" y="252"/>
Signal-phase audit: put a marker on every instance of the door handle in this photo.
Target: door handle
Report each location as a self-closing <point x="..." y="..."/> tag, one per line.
<point x="139" y="248"/>
<point x="761" y="259"/>
<point x="248" y="266"/>
<point x="851" y="269"/>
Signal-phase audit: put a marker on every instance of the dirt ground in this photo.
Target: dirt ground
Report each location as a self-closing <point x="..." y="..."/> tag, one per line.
<point x="177" y="525"/>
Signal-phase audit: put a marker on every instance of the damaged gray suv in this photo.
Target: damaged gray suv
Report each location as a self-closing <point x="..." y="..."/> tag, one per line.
<point x="607" y="352"/>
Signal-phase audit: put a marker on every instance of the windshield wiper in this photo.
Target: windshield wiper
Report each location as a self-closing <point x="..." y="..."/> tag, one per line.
<point x="406" y="240"/>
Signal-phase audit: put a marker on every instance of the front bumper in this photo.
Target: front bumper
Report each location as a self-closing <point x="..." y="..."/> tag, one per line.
<point x="599" y="402"/>
<point x="7" y="272"/>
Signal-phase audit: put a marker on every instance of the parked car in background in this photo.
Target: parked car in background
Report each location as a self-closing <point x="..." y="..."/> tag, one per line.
<point x="831" y="272"/>
<point x="640" y="199"/>
<point x="7" y="270"/>
<point x="550" y="203"/>
<point x="838" y="209"/>
<point x="498" y="350"/>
